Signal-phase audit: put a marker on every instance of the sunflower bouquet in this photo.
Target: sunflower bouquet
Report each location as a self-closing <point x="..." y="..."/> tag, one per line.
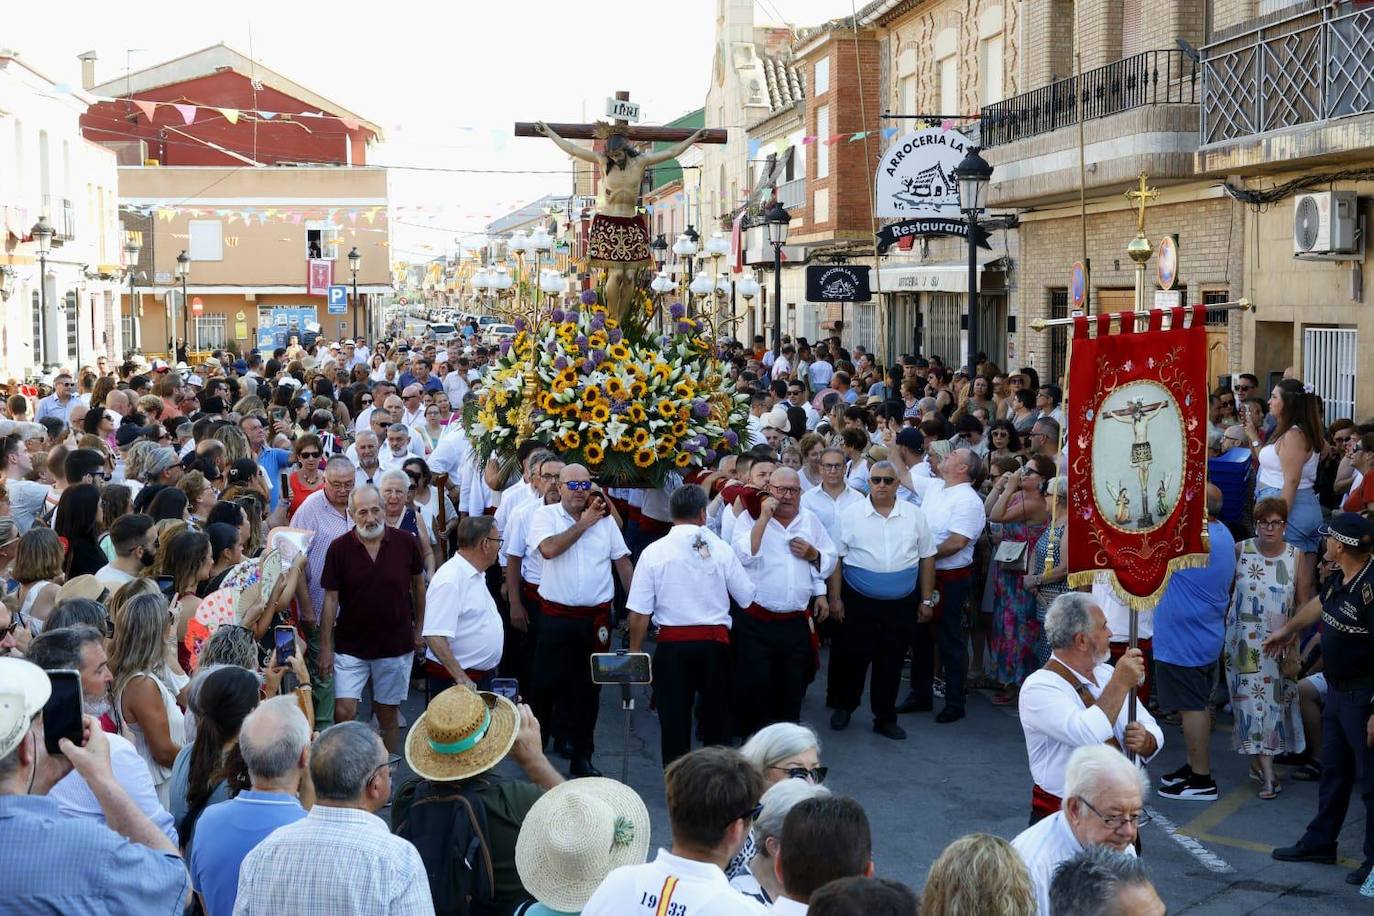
<point x="630" y="403"/>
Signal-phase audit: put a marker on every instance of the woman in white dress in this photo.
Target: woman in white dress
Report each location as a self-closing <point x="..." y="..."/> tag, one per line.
<point x="147" y="681"/>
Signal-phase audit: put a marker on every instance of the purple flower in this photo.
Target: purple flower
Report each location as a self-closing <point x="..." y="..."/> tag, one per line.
<point x="598" y="322"/>
<point x="587" y="366"/>
<point x="520" y="324"/>
<point x="732" y="437"/>
<point x="690" y="446"/>
<point x="588" y="297"/>
<point x="677" y="310"/>
<point x="573" y="316"/>
<point x="582" y="341"/>
<point x="700" y="408"/>
<point x="505" y="347"/>
<point x="560" y="363"/>
<point x="619" y="406"/>
<point x="710" y="456"/>
<point x="598" y="356"/>
<point x="684" y="327"/>
<point x="551" y="348"/>
<point x="701" y="438"/>
<point x="615" y="335"/>
<point x="557" y="316"/>
<point x="664" y="340"/>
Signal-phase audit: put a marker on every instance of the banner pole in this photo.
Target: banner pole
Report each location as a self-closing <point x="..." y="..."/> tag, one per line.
<point x="1244" y="305"/>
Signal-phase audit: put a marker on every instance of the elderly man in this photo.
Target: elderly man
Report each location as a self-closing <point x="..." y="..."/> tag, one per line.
<point x="82" y="649"/>
<point x="463" y="632"/>
<point x="523" y="562"/>
<point x="374" y="613"/>
<point x="1078" y="700"/>
<point x="325" y="513"/>
<point x="957" y="517"/>
<point x="367" y="869"/>
<point x="395" y="449"/>
<point x="129" y="866"/>
<point x="367" y="446"/>
<point x="274" y="741"/>
<point x="684" y="583"/>
<point x="1100" y="881"/>
<point x="1103" y="806"/>
<point x="412" y="406"/>
<point x="883" y="585"/>
<point x="273" y="461"/>
<point x="789" y="556"/>
<point x="580" y="545"/>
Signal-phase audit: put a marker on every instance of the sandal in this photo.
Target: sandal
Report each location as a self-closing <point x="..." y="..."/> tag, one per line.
<point x="1270" y="790"/>
<point x="1311" y="772"/>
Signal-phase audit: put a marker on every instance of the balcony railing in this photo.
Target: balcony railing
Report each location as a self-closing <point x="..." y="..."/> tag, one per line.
<point x="1166" y="77"/>
<point x="1303" y="69"/>
<point x="792" y="194"/>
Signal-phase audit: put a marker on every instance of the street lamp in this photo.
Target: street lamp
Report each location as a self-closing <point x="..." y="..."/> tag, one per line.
<point x="973" y="175"/>
<point x="776" y="219"/>
<point x="131" y="250"/>
<point x="540" y="242"/>
<point x="42" y="233"/>
<point x="658" y="248"/>
<point x="355" y="263"/>
<point x="183" y="271"/>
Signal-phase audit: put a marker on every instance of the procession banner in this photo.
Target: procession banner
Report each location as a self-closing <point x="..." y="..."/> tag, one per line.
<point x="1137" y="446"/>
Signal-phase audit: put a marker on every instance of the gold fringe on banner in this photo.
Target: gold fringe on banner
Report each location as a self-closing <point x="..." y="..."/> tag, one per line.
<point x="1137" y="603"/>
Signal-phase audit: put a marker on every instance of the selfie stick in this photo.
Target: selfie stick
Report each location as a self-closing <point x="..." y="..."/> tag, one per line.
<point x="627" y="703"/>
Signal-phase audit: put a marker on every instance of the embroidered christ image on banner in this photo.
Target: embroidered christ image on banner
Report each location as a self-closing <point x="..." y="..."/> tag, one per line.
<point x="1138" y="433"/>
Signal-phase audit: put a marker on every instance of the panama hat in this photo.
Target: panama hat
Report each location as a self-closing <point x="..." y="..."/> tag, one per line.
<point x="460" y="734"/>
<point x="576" y="834"/>
<point x="24" y="688"/>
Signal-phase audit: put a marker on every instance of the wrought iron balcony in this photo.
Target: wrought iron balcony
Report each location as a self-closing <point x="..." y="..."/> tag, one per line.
<point x="1167" y="77"/>
<point x="1300" y="70"/>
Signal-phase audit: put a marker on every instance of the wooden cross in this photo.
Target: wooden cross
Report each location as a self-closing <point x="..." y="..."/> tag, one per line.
<point x="588" y="131"/>
<point x="1143" y="196"/>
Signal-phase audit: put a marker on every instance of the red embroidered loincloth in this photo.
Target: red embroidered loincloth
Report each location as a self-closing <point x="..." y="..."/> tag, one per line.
<point x="618" y="241"/>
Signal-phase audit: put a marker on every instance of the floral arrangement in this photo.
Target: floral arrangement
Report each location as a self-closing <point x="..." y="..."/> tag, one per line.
<point x="629" y="403"/>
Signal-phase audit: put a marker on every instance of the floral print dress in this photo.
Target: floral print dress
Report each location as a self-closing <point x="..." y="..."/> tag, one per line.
<point x="1015" y="625"/>
<point x="1265" y="703"/>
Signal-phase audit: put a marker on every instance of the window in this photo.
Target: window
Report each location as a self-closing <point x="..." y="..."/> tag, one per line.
<point x="207" y="239"/>
<point x="208" y="331"/>
<point x="1217" y="318"/>
<point x="949" y="85"/>
<point x="321" y="240"/>
<point x="1059" y="337"/>
<point x="990" y="62"/>
<point x="126" y="334"/>
<point x="39" y="350"/>
<point x="821" y="147"/>
<point x="108" y="333"/>
<point x="44" y="170"/>
<point x="1329" y="357"/>
<point x="822" y="77"/>
<point x="73" y="338"/>
<point x="18" y="154"/>
<point x="907" y="101"/>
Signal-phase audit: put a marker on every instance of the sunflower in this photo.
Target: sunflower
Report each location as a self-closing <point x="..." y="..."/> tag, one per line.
<point x="615" y="388"/>
<point x="685" y="390"/>
<point x="662" y="371"/>
<point x="679" y="428"/>
<point x="619" y="352"/>
<point x="596" y="340"/>
<point x="683" y="459"/>
<point x="591" y="395"/>
<point x="644" y="458"/>
<point x="566" y="378"/>
<point x="637" y="389"/>
<point x="635" y="412"/>
<point x="546" y="401"/>
<point x="594" y="453"/>
<point x="570" y="439"/>
<point x="641" y="437"/>
<point x="612" y="323"/>
<point x="623" y="444"/>
<point x="666" y="409"/>
<point x="666" y="446"/>
<point x="600" y="413"/>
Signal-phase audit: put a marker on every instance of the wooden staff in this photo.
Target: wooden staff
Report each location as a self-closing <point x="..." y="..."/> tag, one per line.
<point x="441" y="484"/>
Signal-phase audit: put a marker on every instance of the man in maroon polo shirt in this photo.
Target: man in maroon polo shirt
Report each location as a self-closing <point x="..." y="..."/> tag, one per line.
<point x="374" y="613"/>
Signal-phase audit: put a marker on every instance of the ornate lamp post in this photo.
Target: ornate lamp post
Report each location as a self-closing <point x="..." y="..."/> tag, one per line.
<point x="42" y="233"/>
<point x="776" y="219"/>
<point x="355" y="263"/>
<point x="973" y="176"/>
<point x="131" y="250"/>
<point x="183" y="271"/>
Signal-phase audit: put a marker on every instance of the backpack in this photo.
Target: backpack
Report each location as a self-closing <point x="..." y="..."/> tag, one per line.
<point x="447" y="824"/>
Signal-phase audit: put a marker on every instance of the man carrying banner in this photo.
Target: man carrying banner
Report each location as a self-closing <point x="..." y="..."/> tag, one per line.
<point x="1077" y="699"/>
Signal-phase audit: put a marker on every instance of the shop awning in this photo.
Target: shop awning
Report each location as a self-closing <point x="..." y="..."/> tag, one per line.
<point x="937" y="276"/>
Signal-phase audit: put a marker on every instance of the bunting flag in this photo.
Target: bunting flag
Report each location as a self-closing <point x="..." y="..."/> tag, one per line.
<point x="859" y="136"/>
<point x="348" y="123"/>
<point x="1137" y="452"/>
<point x="807" y="141"/>
<point x="754" y="147"/>
<point x="187" y="112"/>
<point x="230" y="114"/>
<point x="889" y="133"/>
<point x="148" y="108"/>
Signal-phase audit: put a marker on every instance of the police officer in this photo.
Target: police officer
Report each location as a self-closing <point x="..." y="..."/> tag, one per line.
<point x="1346" y="609"/>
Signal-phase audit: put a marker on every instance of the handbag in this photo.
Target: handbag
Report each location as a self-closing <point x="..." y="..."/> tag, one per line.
<point x="1012" y="556"/>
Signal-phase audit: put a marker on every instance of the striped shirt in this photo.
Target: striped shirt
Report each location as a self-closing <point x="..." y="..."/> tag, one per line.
<point x="319" y="515"/>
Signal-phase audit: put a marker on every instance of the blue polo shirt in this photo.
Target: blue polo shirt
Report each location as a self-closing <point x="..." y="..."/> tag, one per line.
<point x="273" y="461"/>
<point x="225" y="835"/>
<point x="1190" y="620"/>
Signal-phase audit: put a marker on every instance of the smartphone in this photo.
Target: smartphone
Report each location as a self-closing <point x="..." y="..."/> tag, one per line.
<point x="63" y="711"/>
<point x="621" y="668"/>
<point x="284" y="638"/>
<point x="278" y="413"/>
<point x="167" y="585"/>
<point x="507" y="687"/>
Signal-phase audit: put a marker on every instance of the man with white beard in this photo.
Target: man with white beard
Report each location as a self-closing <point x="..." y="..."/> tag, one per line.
<point x="82" y="649"/>
<point x="374" y="613"/>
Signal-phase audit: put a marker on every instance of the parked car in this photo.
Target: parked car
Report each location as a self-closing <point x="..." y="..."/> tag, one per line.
<point x="439" y="330"/>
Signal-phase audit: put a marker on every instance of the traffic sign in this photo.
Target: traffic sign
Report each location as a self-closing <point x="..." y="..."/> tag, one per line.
<point x="197" y="306"/>
<point x="402" y="301"/>
<point x="1078" y="284"/>
<point x="338" y="300"/>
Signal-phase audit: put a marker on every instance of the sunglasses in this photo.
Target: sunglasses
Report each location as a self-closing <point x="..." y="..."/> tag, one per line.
<point x="310" y="456"/>
<point x="815" y="774"/>
<point x="9" y="630"/>
<point x="367" y="400"/>
<point x="751" y="815"/>
<point x="578" y="484"/>
<point x="882" y="481"/>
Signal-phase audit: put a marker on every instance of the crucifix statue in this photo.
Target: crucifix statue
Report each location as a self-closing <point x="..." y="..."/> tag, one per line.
<point x="1142" y="196"/>
<point x="619" y="239"/>
<point x="1139" y="414"/>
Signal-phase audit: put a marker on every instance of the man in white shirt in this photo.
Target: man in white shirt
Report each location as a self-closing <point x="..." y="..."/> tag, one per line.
<point x="823" y="840"/>
<point x="26" y="496"/>
<point x="412" y="406"/>
<point x="888" y="566"/>
<point x="796" y="397"/>
<point x="828" y="501"/>
<point x="684" y="582"/>
<point x="134" y="539"/>
<point x="713" y="795"/>
<point x="1103" y="806"/>
<point x="788" y="555"/>
<point x="524" y="564"/>
<point x="1078" y="700"/>
<point x="580" y="544"/>
<point x="463" y="633"/>
<point x="394" y="452"/>
<point x="366" y="448"/>
<point x="821" y="370"/>
<point x="956" y="516"/>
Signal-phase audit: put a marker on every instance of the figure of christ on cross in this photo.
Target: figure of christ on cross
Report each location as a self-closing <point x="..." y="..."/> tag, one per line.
<point x="1139" y="414"/>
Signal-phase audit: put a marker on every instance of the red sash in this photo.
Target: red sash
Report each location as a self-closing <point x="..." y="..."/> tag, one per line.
<point x="530" y="592"/>
<point x="600" y="613"/>
<point x="652" y="526"/>
<point x="440" y="673"/>
<point x="1043" y="804"/>
<point x="947" y="575"/>
<point x="489" y="510"/>
<point x="699" y="633"/>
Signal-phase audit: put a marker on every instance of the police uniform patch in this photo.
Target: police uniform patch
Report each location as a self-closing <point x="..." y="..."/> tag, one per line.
<point x="1367" y="593"/>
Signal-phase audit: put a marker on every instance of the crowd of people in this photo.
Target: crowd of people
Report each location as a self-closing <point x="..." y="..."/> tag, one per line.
<point x="239" y="556"/>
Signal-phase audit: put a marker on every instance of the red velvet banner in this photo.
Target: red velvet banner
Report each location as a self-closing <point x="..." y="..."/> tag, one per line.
<point x="1137" y="446"/>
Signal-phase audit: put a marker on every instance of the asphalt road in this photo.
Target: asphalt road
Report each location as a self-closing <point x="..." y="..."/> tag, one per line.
<point x="945" y="781"/>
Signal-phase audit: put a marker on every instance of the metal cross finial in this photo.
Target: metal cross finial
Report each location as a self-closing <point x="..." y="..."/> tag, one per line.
<point x="1142" y="196"/>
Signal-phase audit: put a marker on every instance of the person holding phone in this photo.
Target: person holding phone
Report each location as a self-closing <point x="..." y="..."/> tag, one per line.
<point x="133" y="863"/>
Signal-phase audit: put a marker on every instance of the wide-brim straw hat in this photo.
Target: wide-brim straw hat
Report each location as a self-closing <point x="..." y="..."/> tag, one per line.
<point x="575" y="835"/>
<point x="461" y="734"/>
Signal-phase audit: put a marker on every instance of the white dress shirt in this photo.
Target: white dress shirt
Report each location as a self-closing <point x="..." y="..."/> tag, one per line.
<point x="679" y="587"/>
<point x="788" y="907"/>
<point x="451" y="450"/>
<point x="581" y="575"/>
<point x="474" y="496"/>
<point x="828" y="508"/>
<point x="1118" y="614"/>
<point x="701" y="888"/>
<point x="1045" y="846"/>
<point x="1056" y="723"/>
<point x="75" y="799"/>
<point x="459" y="607"/>
<point x="954" y="510"/>
<point x="897" y="542"/>
<point x="512" y="498"/>
<point x="517" y="541"/>
<point x="782" y="582"/>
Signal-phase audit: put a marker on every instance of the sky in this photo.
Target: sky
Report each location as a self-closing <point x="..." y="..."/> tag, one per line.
<point x="444" y="81"/>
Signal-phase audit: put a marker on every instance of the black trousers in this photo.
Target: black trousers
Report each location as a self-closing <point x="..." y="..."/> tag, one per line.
<point x="1346" y="759"/>
<point x="563" y="697"/>
<point x="773" y="665"/>
<point x="687" y="675"/>
<point x="876" y="632"/>
<point x="945" y="635"/>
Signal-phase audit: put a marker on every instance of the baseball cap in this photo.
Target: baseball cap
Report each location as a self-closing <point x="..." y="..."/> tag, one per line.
<point x="24" y="688"/>
<point x="1351" y="529"/>
<point x="911" y="438"/>
<point x="240" y="366"/>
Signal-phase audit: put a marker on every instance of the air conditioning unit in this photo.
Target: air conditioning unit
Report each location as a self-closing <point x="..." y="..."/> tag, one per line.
<point x="1325" y="222"/>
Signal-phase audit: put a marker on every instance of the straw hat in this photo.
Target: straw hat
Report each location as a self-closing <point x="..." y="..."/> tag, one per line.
<point x="461" y="734"/>
<point x="575" y="835"/>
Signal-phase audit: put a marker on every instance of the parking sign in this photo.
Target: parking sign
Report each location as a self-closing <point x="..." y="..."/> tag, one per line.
<point x="338" y="300"/>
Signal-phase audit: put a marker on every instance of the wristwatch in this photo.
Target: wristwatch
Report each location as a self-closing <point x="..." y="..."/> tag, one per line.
<point x="933" y="600"/>
<point x="1255" y="443"/>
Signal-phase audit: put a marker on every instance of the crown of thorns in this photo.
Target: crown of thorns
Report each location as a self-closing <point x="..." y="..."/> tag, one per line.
<point x="604" y="131"/>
